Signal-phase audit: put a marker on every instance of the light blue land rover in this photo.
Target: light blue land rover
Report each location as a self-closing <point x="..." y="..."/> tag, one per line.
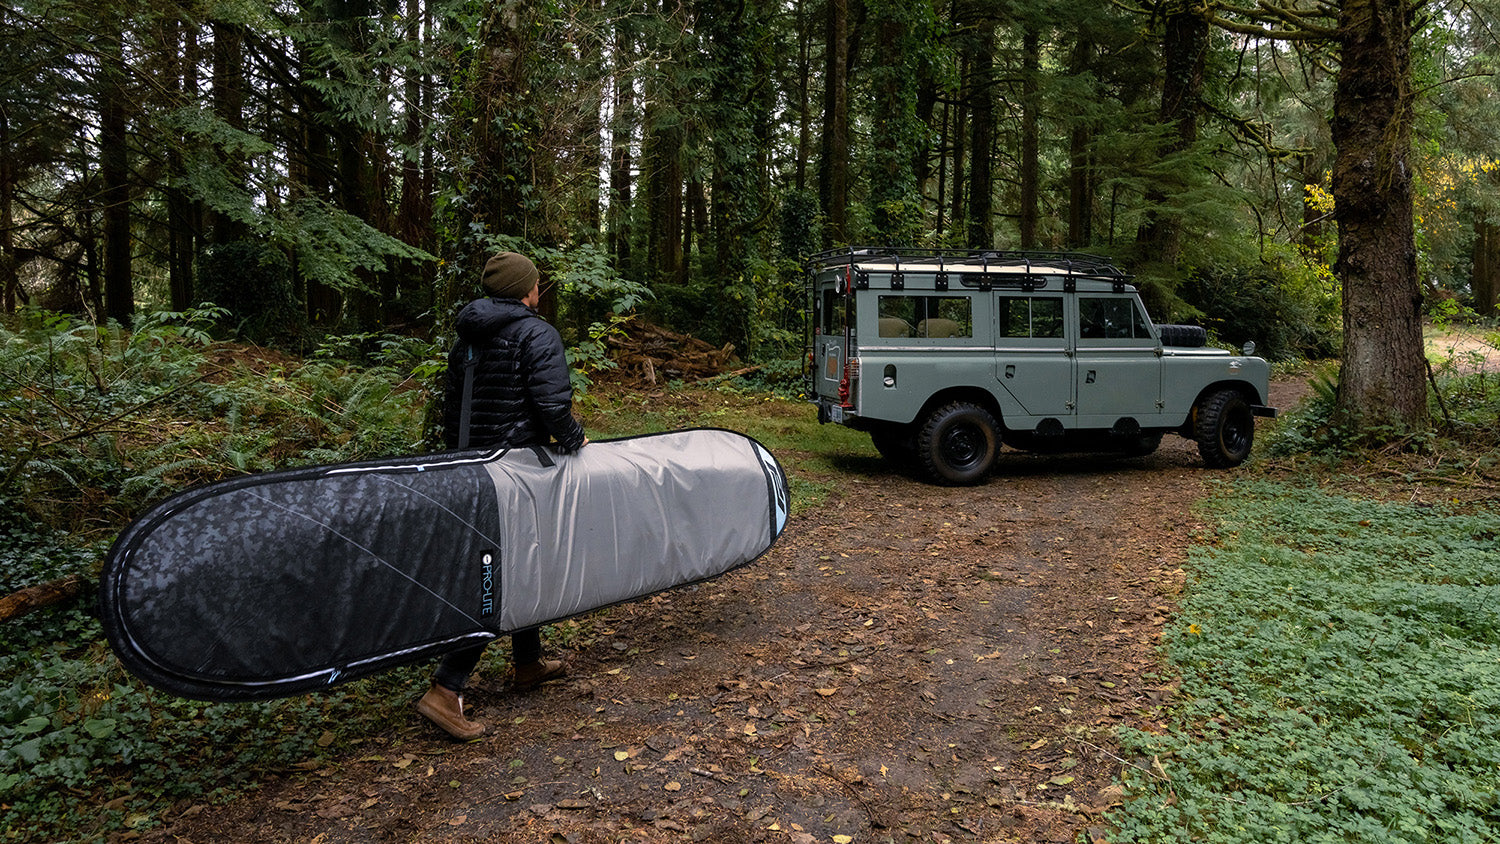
<point x="943" y="354"/>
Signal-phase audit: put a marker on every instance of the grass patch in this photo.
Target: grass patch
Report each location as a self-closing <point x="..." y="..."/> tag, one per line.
<point x="1340" y="678"/>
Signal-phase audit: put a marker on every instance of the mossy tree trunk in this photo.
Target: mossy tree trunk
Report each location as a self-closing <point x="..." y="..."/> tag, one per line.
<point x="1383" y="387"/>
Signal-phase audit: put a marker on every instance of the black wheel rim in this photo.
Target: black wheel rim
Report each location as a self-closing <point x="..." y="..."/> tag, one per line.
<point x="963" y="446"/>
<point x="1238" y="428"/>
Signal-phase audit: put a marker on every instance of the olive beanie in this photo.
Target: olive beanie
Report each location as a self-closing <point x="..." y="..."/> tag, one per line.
<point x="509" y="275"/>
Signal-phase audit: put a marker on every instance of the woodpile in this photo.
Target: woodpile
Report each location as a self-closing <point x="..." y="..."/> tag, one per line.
<point x="654" y="355"/>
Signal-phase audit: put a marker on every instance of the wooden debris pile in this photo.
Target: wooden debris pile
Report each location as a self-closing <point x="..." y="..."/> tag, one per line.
<point x="654" y="355"/>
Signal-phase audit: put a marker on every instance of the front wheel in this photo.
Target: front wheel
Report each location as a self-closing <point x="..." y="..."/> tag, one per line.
<point x="1224" y="427"/>
<point x="957" y="444"/>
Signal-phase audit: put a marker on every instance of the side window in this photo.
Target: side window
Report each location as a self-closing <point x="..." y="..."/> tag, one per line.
<point x="1110" y="319"/>
<point x="926" y="316"/>
<point x="1030" y="316"/>
<point x="1047" y="317"/>
<point x="895" y="318"/>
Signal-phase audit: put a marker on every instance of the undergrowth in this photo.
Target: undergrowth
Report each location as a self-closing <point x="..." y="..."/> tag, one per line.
<point x="1338" y="644"/>
<point x="1340" y="678"/>
<point x="1463" y="400"/>
<point x="99" y="424"/>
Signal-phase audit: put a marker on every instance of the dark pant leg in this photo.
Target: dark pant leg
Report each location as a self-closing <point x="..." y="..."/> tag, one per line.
<point x="456" y="666"/>
<point x="526" y="646"/>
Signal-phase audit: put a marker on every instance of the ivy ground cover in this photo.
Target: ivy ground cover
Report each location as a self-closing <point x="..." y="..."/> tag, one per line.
<point x="1340" y="678"/>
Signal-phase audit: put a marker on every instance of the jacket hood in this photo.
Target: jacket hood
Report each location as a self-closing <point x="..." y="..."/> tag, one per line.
<point x="482" y="318"/>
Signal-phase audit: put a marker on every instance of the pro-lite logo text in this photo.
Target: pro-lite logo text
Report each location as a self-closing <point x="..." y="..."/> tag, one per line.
<point x="487" y="585"/>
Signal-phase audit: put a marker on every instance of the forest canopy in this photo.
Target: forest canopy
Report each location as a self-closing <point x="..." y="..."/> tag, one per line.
<point x="348" y="164"/>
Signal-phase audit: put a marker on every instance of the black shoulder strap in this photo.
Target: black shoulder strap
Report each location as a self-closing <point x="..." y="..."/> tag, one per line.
<point x="466" y="408"/>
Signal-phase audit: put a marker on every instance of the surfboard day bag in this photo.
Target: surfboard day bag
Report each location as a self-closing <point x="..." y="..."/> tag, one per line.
<point x="281" y="583"/>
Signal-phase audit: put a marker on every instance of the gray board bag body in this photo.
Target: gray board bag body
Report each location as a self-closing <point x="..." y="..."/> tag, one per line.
<point x="286" y="582"/>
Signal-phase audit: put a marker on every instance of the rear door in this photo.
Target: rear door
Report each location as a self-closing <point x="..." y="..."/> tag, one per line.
<point x="1031" y="354"/>
<point x="832" y="312"/>
<point x="1118" y="362"/>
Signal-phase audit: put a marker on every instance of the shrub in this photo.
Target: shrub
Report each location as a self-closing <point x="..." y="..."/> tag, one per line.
<point x="252" y="282"/>
<point x="1288" y="309"/>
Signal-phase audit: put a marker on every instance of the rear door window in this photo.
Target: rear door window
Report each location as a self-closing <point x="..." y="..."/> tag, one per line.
<point x="1031" y="317"/>
<point x="831" y="313"/>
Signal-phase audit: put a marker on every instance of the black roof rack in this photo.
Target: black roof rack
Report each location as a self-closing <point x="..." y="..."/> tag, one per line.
<point x="1078" y="264"/>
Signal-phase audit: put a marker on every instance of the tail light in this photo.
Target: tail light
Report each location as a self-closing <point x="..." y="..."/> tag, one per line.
<point x="849" y="382"/>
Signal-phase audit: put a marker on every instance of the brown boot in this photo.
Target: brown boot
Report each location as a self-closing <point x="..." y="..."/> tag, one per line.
<point x="445" y="708"/>
<point x="533" y="674"/>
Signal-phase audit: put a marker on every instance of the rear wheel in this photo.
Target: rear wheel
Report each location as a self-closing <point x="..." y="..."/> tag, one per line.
<point x="1224" y="427"/>
<point x="957" y="444"/>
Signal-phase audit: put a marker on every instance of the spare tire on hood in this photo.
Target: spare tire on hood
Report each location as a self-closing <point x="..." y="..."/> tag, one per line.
<point x="1183" y="336"/>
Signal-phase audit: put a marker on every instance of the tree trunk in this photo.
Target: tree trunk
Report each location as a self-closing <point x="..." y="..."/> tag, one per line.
<point x="893" y="139"/>
<point x="41" y="595"/>
<point x="695" y="225"/>
<point x="414" y="214"/>
<point x="1080" y="187"/>
<point x="1383" y="378"/>
<point x="981" y="229"/>
<point x="730" y="34"/>
<point x="621" y="160"/>
<point x="1185" y="51"/>
<point x="114" y="173"/>
<point x="804" y="95"/>
<point x="182" y="214"/>
<point x="941" y="204"/>
<point x="229" y="105"/>
<point x="1080" y="160"/>
<point x="957" y="157"/>
<point x="1485" y="282"/>
<point x="1031" y="68"/>
<point x="665" y="187"/>
<point x="833" y="175"/>
<point x="10" y="284"/>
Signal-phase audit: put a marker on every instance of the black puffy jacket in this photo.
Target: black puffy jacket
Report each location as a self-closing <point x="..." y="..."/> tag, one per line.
<point x="521" y="394"/>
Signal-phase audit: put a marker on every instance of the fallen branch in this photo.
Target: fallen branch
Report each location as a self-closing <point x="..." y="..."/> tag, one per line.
<point x="876" y="820"/>
<point x="41" y="595"/>
<point x="725" y="376"/>
<point x="95" y="428"/>
<point x="1432" y="379"/>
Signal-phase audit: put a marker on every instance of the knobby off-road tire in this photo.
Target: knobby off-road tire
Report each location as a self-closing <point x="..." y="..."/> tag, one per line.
<point x="957" y="444"/>
<point x="1224" y="427"/>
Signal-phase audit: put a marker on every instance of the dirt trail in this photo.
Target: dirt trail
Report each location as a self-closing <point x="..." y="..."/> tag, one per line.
<point x="909" y="663"/>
